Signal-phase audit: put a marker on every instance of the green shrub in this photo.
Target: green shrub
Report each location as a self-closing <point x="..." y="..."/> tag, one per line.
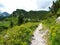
<point x="18" y="35"/>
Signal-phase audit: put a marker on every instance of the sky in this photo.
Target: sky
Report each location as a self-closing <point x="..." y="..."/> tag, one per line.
<point x="11" y="5"/>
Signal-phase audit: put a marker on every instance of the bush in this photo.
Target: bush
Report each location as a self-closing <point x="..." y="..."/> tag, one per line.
<point x="18" y="35"/>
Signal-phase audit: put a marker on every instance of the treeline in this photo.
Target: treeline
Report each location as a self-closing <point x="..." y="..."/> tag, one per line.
<point x="55" y="9"/>
<point x="22" y="16"/>
<point x="33" y="15"/>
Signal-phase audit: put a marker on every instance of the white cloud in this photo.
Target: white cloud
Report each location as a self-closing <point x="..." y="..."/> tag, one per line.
<point x="44" y="4"/>
<point x="11" y="5"/>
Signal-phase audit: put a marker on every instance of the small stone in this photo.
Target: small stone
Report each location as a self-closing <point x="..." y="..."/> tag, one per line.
<point x="58" y="20"/>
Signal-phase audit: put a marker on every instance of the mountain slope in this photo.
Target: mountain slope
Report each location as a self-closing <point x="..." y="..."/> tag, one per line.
<point x="31" y="14"/>
<point x="18" y="35"/>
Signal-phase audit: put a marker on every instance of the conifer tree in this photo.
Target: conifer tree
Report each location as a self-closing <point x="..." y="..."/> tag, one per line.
<point x="11" y="24"/>
<point x="54" y="8"/>
<point x="20" y="19"/>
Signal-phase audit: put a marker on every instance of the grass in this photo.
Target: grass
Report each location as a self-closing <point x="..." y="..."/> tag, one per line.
<point x="54" y="30"/>
<point x="18" y="35"/>
<point x="21" y="35"/>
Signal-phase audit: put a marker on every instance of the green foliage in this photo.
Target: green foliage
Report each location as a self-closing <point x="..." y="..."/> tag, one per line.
<point x="54" y="30"/>
<point x="33" y="15"/>
<point x="11" y="24"/>
<point x="54" y="8"/>
<point x="49" y="21"/>
<point x="18" y="35"/>
<point x="55" y="34"/>
<point x="37" y="15"/>
<point x="21" y="35"/>
<point x="20" y="20"/>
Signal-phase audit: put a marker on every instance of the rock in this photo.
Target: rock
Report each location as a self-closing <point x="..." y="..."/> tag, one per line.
<point x="58" y="20"/>
<point x="6" y="37"/>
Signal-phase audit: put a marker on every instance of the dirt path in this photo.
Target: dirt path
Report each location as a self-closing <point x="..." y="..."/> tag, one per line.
<point x="38" y="36"/>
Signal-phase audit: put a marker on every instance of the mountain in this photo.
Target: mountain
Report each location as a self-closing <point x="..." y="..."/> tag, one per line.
<point x="37" y="14"/>
<point x="3" y="15"/>
<point x="34" y="15"/>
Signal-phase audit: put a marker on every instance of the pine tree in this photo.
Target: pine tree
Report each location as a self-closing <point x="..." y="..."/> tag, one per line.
<point x="54" y="8"/>
<point x="20" y="19"/>
<point x="11" y="24"/>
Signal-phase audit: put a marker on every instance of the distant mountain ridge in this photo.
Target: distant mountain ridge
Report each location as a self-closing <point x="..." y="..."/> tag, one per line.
<point x="34" y="15"/>
<point x="4" y="14"/>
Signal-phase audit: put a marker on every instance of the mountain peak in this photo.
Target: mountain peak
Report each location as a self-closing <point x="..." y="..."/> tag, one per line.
<point x="5" y="14"/>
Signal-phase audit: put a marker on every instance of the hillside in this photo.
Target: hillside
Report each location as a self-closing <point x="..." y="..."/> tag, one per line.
<point x="33" y="15"/>
<point x="37" y="14"/>
<point x="22" y="27"/>
<point x="18" y="34"/>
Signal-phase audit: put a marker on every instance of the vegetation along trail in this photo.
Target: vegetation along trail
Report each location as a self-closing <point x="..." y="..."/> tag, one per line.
<point x="38" y="35"/>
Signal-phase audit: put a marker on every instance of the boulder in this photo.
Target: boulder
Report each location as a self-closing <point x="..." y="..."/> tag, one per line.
<point x="58" y="20"/>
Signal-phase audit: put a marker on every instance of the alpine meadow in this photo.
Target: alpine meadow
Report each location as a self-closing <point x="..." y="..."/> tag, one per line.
<point x="34" y="27"/>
